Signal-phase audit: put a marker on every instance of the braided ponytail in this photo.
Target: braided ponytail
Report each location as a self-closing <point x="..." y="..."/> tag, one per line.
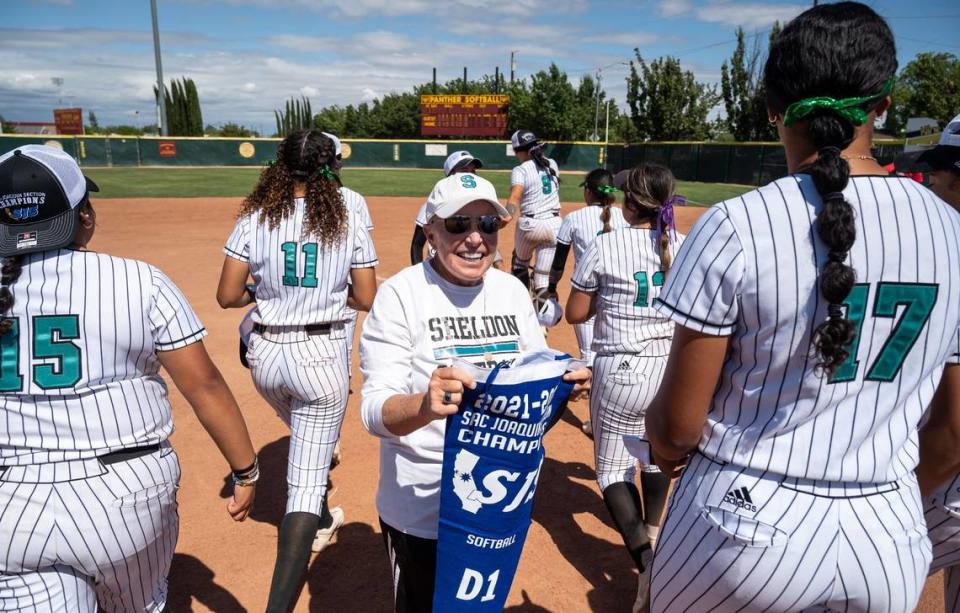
<point x="9" y="273"/>
<point x="826" y="71"/>
<point x="599" y="186"/>
<point x="835" y="226"/>
<point x="651" y="191"/>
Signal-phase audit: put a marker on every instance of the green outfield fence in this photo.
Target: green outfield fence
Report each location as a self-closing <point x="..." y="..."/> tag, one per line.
<point x="743" y="163"/>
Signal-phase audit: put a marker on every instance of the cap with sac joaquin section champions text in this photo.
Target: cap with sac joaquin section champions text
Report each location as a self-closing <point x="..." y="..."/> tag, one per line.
<point x="41" y="189"/>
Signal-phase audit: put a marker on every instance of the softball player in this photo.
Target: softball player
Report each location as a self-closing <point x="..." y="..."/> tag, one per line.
<point x="88" y="480"/>
<point x="815" y="318"/>
<point x="300" y="243"/>
<point x="580" y="229"/>
<point x="618" y="277"/>
<point x="535" y="192"/>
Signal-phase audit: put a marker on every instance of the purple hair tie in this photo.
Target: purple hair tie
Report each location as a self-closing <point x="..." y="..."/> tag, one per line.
<point x="666" y="219"/>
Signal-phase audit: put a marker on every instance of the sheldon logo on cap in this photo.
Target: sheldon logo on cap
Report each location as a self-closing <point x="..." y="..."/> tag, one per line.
<point x="452" y="193"/>
<point x="41" y="189"/>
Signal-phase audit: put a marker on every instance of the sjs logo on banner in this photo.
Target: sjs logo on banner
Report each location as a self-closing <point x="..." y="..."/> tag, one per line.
<point x="491" y="462"/>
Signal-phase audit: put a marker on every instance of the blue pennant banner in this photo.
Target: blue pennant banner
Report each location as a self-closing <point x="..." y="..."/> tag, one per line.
<point x="491" y="460"/>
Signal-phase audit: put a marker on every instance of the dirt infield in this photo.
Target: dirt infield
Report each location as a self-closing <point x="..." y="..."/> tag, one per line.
<point x="573" y="559"/>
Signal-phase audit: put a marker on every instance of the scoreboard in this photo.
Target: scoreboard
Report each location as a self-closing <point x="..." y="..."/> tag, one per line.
<point x="464" y="115"/>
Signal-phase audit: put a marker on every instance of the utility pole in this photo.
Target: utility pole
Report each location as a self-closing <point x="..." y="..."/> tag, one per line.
<point x="161" y="99"/>
<point x="596" y="113"/>
<point x="513" y="64"/>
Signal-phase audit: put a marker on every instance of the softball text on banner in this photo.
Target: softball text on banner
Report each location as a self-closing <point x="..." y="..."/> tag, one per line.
<point x="491" y="461"/>
<point x="464" y="115"/>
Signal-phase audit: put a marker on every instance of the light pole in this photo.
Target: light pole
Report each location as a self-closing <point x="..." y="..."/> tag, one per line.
<point x="161" y="99"/>
<point x="596" y="113"/>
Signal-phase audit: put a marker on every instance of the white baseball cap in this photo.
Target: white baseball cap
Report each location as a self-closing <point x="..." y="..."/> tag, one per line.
<point x="41" y="189"/>
<point x="946" y="154"/>
<point x="336" y="143"/>
<point x="452" y="193"/>
<point x="550" y="313"/>
<point x="458" y="158"/>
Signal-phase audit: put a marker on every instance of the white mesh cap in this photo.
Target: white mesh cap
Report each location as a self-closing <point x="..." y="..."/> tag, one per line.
<point x="40" y="190"/>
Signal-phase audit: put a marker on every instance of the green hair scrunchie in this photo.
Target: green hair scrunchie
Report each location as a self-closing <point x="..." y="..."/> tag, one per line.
<point x="607" y="189"/>
<point x="327" y="173"/>
<point x="848" y="108"/>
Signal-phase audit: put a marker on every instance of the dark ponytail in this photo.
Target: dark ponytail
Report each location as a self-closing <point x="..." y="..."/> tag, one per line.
<point x="835" y="226"/>
<point x="536" y="154"/>
<point x="9" y="273"/>
<point x="844" y="52"/>
<point x="599" y="186"/>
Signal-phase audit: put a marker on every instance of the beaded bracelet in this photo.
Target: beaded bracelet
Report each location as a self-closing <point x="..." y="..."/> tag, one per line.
<point x="247" y="476"/>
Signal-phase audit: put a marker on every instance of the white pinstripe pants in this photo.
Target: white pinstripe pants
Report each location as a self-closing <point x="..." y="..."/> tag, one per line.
<point x="622" y="389"/>
<point x="538" y="235"/>
<point x="737" y="539"/>
<point x="942" y="513"/>
<point x="73" y="534"/>
<point x="304" y="378"/>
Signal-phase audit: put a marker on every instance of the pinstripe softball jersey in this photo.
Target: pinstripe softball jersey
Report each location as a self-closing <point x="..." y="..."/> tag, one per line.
<point x="78" y="371"/>
<point x="623" y="268"/>
<point x="749" y="270"/>
<point x="358" y="204"/>
<point x="582" y="226"/>
<point x="541" y="192"/>
<point x="299" y="280"/>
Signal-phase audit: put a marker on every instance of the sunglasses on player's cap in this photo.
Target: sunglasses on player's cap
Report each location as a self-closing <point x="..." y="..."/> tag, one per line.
<point x="452" y="193"/>
<point x="41" y="190"/>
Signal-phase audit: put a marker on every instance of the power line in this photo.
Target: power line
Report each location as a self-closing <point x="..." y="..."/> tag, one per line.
<point x="928" y="42"/>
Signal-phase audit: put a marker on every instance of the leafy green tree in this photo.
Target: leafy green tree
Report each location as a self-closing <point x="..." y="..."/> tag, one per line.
<point x="744" y="95"/>
<point x="666" y="102"/>
<point x="231" y="130"/>
<point x="929" y="86"/>
<point x="6" y="127"/>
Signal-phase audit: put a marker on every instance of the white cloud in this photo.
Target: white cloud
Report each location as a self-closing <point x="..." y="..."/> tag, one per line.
<point x="249" y="87"/>
<point x="748" y="15"/>
<point x="354" y="9"/>
<point x="308" y="91"/>
<point x="627" y="39"/>
<point x="673" y="8"/>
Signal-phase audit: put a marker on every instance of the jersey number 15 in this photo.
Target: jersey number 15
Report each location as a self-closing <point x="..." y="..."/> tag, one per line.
<point x="52" y="340"/>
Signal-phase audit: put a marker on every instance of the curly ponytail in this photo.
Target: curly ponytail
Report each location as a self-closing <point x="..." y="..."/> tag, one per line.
<point x="9" y="273"/>
<point x="825" y="72"/>
<point x="307" y="157"/>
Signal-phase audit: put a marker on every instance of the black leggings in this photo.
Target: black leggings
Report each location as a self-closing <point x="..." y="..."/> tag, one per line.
<point x="414" y="567"/>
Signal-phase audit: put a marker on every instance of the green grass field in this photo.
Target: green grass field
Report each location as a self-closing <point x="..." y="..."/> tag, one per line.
<point x="207" y="182"/>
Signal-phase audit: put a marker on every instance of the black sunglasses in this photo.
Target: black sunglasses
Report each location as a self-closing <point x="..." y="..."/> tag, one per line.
<point x="458" y="224"/>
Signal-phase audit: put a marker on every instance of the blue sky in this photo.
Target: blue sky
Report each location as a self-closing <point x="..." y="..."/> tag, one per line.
<point x="248" y="56"/>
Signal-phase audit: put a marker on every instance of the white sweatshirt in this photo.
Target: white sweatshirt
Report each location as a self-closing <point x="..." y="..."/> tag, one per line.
<point x="418" y="322"/>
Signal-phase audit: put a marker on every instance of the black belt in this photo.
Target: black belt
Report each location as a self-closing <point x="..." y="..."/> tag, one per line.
<point x="128" y="454"/>
<point x="528" y="216"/>
<point x="311" y="329"/>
